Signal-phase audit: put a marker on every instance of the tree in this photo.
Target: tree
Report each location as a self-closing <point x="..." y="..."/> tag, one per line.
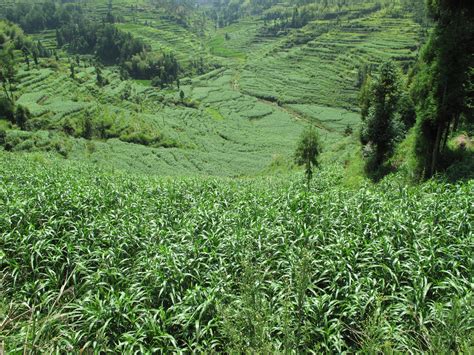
<point x="3" y="137"/>
<point x="7" y="71"/>
<point x="441" y="86"/>
<point x="365" y="96"/>
<point x="27" y="59"/>
<point x="87" y="127"/>
<point x="101" y="81"/>
<point x="406" y="109"/>
<point x="7" y="109"/>
<point x="73" y="71"/>
<point x="379" y="126"/>
<point x="307" y="151"/>
<point x="35" y="57"/>
<point x="22" y="115"/>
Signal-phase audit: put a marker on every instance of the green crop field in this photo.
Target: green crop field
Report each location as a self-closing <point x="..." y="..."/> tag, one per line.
<point x="196" y="177"/>
<point x="98" y="260"/>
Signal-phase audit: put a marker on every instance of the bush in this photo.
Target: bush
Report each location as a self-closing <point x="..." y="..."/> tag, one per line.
<point x="22" y="115"/>
<point x="3" y="137"/>
<point x="7" y="109"/>
<point x="140" y="138"/>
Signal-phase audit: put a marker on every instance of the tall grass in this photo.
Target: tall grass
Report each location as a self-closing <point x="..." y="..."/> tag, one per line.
<point x="91" y="261"/>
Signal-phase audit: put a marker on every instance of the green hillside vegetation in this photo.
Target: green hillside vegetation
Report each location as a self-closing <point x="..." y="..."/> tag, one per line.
<point x="236" y="176"/>
<point x="94" y="260"/>
<point x="224" y="93"/>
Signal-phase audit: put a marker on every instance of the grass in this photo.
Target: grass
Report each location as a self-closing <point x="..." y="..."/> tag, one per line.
<point x="104" y="261"/>
<point x="215" y="114"/>
<point x="144" y="82"/>
<point x="218" y="47"/>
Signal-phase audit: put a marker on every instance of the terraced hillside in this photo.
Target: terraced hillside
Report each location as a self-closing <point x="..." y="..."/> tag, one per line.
<point x="224" y="133"/>
<point x="240" y="119"/>
<point x="324" y="70"/>
<point x="163" y="35"/>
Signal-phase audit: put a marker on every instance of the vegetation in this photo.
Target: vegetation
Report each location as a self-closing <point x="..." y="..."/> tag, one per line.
<point x="442" y="88"/>
<point x="307" y="152"/>
<point x="152" y="201"/>
<point x="107" y="261"/>
<point x="379" y="128"/>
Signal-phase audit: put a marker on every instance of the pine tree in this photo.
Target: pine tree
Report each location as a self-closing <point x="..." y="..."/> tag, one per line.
<point x="379" y="125"/>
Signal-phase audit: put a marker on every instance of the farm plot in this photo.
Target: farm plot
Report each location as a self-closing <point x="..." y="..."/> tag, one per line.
<point x="110" y="262"/>
<point x="324" y="70"/>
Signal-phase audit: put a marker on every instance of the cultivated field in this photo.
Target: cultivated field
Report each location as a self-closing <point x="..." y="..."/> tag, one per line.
<point x="94" y="260"/>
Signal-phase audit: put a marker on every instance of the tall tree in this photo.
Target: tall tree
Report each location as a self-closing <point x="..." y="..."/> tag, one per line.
<point x="441" y="87"/>
<point x="7" y="71"/>
<point x="379" y="126"/>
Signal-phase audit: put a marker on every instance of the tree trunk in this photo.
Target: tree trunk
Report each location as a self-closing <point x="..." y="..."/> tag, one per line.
<point x="456" y="122"/>
<point x="446" y="135"/>
<point x="434" y="156"/>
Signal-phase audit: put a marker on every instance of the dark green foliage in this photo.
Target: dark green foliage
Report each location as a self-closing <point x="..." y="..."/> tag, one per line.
<point x="365" y="97"/>
<point x="379" y="128"/>
<point x="87" y="128"/>
<point x="101" y="81"/>
<point x="3" y="136"/>
<point x="35" y="58"/>
<point x="22" y="115"/>
<point x="114" y="46"/>
<point x="348" y="130"/>
<point x="7" y="109"/>
<point x="157" y="82"/>
<point x="72" y="70"/>
<point x="308" y="151"/>
<point x="441" y="88"/>
<point x="181" y="95"/>
<point x="78" y="32"/>
<point x="27" y="59"/>
<point x="162" y="68"/>
<point x="406" y="110"/>
<point x="8" y="70"/>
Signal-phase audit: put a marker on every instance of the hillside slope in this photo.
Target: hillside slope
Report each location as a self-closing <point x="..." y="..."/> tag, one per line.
<point x="238" y="119"/>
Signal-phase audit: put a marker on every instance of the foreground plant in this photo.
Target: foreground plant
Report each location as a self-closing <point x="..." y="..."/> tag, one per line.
<point x="91" y="261"/>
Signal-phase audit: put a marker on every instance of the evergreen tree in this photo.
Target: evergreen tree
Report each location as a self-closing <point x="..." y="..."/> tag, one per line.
<point x="307" y="152"/>
<point x="379" y="127"/>
<point x="27" y="59"/>
<point x="441" y="87"/>
<point x="35" y="57"/>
